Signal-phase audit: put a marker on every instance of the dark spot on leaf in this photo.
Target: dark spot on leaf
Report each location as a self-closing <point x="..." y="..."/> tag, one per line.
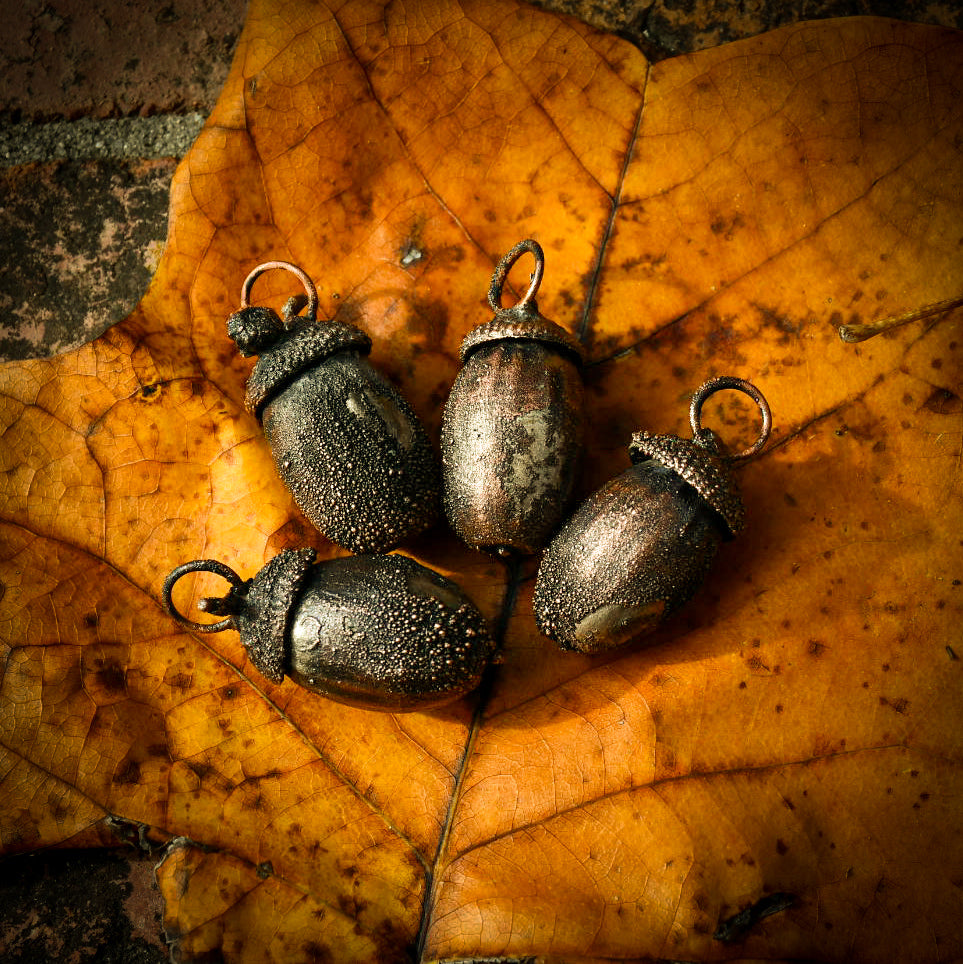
<point x="726" y="227"/>
<point x="229" y="692"/>
<point x="314" y="953"/>
<point x="781" y="847"/>
<point x="351" y="906"/>
<point x="90" y="619"/>
<point x="942" y="401"/>
<point x="111" y="675"/>
<point x="898" y="705"/>
<point x="394" y="944"/>
<point x="779" y="321"/>
<point x="264" y="869"/>
<point x="128" y="772"/>
<point x="816" y="648"/>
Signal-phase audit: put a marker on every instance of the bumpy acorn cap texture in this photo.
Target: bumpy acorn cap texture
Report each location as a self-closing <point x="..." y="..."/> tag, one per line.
<point x="701" y="467"/>
<point x="304" y="344"/>
<point x="521" y="324"/>
<point x="263" y="619"/>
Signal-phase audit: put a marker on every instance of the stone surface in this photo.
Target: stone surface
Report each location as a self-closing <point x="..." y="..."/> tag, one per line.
<point x="80" y="906"/>
<point x="665" y="28"/>
<point x="98" y="101"/>
<point x="79" y="242"/>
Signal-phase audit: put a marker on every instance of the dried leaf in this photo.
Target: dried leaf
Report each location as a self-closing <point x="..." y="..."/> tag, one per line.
<point x="796" y="730"/>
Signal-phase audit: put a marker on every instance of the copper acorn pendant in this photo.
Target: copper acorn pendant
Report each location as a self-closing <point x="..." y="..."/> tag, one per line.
<point x="511" y="434"/>
<point x="640" y="547"/>
<point x="381" y="632"/>
<point x="353" y="454"/>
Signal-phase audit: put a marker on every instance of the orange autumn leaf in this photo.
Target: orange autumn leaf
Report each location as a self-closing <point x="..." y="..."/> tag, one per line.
<point x="796" y="730"/>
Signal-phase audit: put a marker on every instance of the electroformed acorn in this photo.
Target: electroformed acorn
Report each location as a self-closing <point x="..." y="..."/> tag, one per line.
<point x="348" y="446"/>
<point x="511" y="433"/>
<point x="640" y="547"/>
<point x="377" y="631"/>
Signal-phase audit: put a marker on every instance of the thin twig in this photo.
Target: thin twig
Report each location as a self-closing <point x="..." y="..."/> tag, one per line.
<point x="854" y="333"/>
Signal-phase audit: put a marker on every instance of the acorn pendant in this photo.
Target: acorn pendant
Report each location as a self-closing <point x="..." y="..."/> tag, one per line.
<point x="353" y="454"/>
<point x="380" y="632"/>
<point x="640" y="547"/>
<point x="511" y="434"/>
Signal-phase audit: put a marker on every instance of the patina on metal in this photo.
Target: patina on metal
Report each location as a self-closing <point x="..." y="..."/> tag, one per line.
<point x="511" y="434"/>
<point x="378" y="631"/>
<point x="639" y="548"/>
<point x="355" y="457"/>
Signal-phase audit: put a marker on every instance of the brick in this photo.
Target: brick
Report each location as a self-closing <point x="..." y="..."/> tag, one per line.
<point x="71" y="58"/>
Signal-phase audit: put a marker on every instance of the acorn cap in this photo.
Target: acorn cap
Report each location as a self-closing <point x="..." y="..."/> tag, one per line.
<point x="263" y="617"/>
<point x="304" y="344"/>
<point x="697" y="462"/>
<point x="521" y="324"/>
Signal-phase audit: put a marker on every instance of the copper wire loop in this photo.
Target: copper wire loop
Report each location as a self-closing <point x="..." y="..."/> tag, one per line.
<point x="505" y="265"/>
<point x="200" y="565"/>
<point x="301" y="275"/>
<point x="719" y="384"/>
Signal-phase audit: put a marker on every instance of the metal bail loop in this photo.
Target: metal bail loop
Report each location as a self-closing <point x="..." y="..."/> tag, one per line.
<point x="299" y="273"/>
<point x="202" y="565"/>
<point x="505" y="265"/>
<point x="719" y="384"/>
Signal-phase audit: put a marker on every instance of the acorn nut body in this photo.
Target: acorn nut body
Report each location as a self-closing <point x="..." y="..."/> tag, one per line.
<point x="354" y="456"/>
<point x="640" y="547"/>
<point x="377" y="631"/>
<point x="511" y="434"/>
